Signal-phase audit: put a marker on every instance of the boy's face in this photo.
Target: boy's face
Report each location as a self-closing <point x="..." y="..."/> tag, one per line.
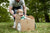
<point x="20" y="13"/>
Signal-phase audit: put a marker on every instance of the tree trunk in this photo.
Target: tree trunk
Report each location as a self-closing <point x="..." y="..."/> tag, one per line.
<point x="47" y="17"/>
<point x="37" y="20"/>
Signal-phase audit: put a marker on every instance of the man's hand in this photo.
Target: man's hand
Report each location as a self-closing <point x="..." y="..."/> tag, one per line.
<point x="24" y="7"/>
<point x="14" y="15"/>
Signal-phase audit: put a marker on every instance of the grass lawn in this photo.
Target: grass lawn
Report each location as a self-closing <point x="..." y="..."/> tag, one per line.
<point x="40" y="28"/>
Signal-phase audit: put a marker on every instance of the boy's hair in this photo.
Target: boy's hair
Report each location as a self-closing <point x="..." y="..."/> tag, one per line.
<point x="19" y="11"/>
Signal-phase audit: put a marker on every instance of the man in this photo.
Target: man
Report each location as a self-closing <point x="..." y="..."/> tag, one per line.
<point x="15" y="5"/>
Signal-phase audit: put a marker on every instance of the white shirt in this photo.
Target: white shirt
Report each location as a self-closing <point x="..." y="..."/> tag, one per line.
<point x="16" y="4"/>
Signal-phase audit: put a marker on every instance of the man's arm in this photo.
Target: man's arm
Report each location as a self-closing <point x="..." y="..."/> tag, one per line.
<point x="10" y="10"/>
<point x="24" y="7"/>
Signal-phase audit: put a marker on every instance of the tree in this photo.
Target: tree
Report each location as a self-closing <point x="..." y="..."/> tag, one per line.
<point x="45" y="4"/>
<point x="38" y="9"/>
<point x="4" y="15"/>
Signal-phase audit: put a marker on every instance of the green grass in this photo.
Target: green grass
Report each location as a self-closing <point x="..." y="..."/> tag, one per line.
<point x="40" y="28"/>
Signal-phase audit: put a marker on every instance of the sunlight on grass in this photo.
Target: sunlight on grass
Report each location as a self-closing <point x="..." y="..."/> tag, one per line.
<point x="40" y="28"/>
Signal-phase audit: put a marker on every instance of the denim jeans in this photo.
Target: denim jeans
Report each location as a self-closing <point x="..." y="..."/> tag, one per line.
<point x="16" y="8"/>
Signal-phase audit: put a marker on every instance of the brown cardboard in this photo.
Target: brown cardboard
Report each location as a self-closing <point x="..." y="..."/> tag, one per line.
<point x="26" y="24"/>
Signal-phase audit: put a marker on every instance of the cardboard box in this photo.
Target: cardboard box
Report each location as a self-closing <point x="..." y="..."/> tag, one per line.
<point x="26" y="24"/>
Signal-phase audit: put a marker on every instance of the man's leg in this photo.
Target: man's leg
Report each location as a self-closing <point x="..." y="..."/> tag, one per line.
<point x="14" y="18"/>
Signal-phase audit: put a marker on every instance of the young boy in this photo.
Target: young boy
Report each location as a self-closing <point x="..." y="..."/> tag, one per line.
<point x="20" y="12"/>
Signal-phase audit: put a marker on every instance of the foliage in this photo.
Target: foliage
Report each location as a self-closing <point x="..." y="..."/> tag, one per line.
<point x="39" y="9"/>
<point x="4" y="14"/>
